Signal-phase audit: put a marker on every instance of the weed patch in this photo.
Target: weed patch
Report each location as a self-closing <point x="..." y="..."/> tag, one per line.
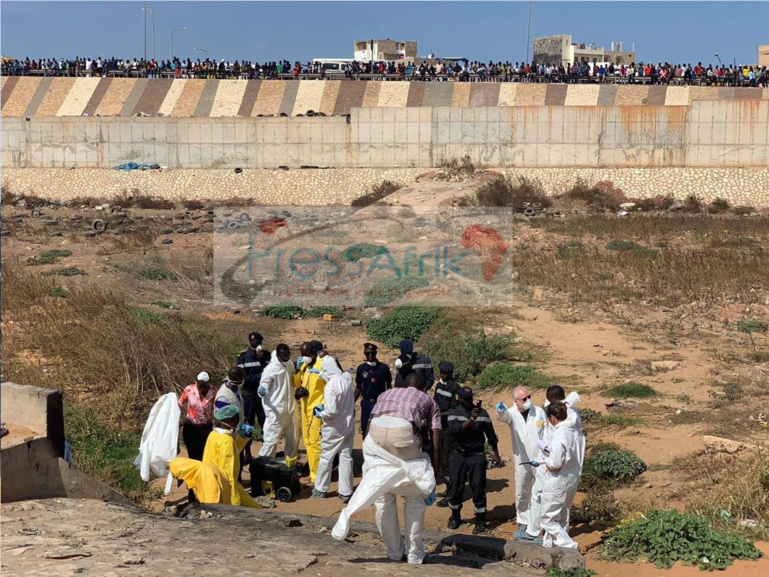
<point x="503" y="375"/>
<point x="631" y="390"/>
<point x="570" y="572"/>
<point x="470" y="354"/>
<point x="612" y="465"/>
<point x="51" y="256"/>
<point x="601" y="196"/>
<point x="402" y="323"/>
<point x="361" y="250"/>
<point x="67" y="271"/>
<point x="284" y="310"/>
<point x="665" y="537"/>
<point x="318" y="312"/>
<point x="390" y="288"/>
<point x="155" y="273"/>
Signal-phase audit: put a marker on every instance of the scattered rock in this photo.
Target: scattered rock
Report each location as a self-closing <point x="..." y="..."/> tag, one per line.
<point x="356" y="322"/>
<point x="65" y="553"/>
<point x="133" y="560"/>
<point x="167" y="241"/>
<point x="166" y="231"/>
<point x="291" y="521"/>
<point x="49" y="222"/>
<point x="89" y="233"/>
<point x="658" y="366"/>
<point x="622" y="404"/>
<point x="5" y="233"/>
<point x="266" y="502"/>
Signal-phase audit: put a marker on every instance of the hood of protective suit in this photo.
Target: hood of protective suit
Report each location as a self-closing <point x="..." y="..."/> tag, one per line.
<point x="329" y="368"/>
<point x="277" y="379"/>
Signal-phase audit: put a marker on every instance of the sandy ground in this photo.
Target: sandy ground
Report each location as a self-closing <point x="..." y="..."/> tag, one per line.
<point x="586" y="348"/>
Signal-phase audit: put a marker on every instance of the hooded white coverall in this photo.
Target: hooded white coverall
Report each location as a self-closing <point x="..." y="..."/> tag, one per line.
<point x="563" y="468"/>
<point x="280" y="409"/>
<point x="337" y="433"/>
<point x="386" y="477"/>
<point x="573" y="421"/>
<point x="525" y="436"/>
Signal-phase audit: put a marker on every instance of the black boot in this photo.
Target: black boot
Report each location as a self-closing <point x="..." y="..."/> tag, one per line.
<point x="455" y="520"/>
<point x="480" y="524"/>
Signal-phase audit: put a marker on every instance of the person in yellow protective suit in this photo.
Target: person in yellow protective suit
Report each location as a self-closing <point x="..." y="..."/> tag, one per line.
<point x="206" y="479"/>
<point x="310" y="381"/>
<point x="223" y="449"/>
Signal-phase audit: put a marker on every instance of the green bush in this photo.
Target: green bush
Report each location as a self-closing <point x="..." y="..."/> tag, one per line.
<point x="155" y="273"/>
<point x="752" y="326"/>
<point x="163" y="304"/>
<point x="624" y="245"/>
<point x="504" y="375"/>
<point x="470" y="354"/>
<point x="402" y="323"/>
<point x="612" y="465"/>
<point x="52" y="256"/>
<point x="58" y="292"/>
<point x="391" y="288"/>
<point x="631" y="390"/>
<point x="103" y="451"/>
<point x="317" y="312"/>
<point x="284" y="310"/>
<point x="589" y="415"/>
<point x="361" y="250"/>
<point x="664" y="537"/>
<point x="147" y="317"/>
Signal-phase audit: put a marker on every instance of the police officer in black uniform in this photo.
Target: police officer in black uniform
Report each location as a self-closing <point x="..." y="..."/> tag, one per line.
<point x="446" y="398"/>
<point x="413" y="363"/>
<point x="371" y="380"/>
<point x="252" y="361"/>
<point x="470" y="426"/>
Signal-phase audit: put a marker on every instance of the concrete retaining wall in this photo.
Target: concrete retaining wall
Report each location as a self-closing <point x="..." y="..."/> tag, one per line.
<point x="56" y="97"/>
<point x="33" y="468"/>
<point x="705" y="134"/>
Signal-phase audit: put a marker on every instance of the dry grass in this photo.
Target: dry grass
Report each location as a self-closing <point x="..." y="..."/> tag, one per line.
<point x="518" y="194"/>
<point x="104" y="352"/>
<point x="669" y="277"/>
<point x="601" y="196"/>
<point x="377" y="193"/>
<point x="456" y="169"/>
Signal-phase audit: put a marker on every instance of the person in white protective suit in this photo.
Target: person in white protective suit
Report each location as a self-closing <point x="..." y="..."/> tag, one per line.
<point x="554" y="394"/>
<point x="562" y="471"/>
<point x="395" y="466"/>
<point x="527" y="423"/>
<point x="337" y="434"/>
<point x="276" y="389"/>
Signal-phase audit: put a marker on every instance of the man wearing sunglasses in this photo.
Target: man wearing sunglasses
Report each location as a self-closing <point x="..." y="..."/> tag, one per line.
<point x="527" y="424"/>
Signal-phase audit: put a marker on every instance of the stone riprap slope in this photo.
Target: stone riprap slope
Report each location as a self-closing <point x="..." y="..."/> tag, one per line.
<point x="739" y="186"/>
<point x="182" y="98"/>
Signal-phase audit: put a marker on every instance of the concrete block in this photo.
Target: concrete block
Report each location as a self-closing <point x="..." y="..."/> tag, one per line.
<point x="316" y="133"/>
<point x="388" y="132"/>
<point x="377" y="133"/>
<point x="228" y="133"/>
<point x="280" y="127"/>
<point x="207" y="133"/>
<point x="413" y="114"/>
<point x="305" y="131"/>
<point x="328" y="134"/>
<point x="364" y="133"/>
<point x="376" y="115"/>
<point x="362" y="155"/>
<point x="340" y="133"/>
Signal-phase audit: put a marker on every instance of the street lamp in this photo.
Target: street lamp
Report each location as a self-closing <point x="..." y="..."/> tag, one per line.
<point x="203" y="50"/>
<point x="528" y="34"/>
<point x="172" y="39"/>
<point x="152" y="11"/>
<point x="719" y="59"/>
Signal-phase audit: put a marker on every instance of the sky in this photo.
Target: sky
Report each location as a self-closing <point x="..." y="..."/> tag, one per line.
<point x="263" y="31"/>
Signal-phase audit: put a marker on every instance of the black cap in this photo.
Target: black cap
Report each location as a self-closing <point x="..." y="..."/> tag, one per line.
<point x="255" y="337"/>
<point x="370" y="347"/>
<point x="465" y="393"/>
<point x="406" y="346"/>
<point x="446" y="367"/>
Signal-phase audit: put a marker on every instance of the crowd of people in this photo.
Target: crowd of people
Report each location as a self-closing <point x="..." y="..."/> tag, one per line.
<point x="459" y="71"/>
<point x="418" y="431"/>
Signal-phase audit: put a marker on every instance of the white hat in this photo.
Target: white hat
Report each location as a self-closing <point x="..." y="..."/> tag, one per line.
<point x="203" y="377"/>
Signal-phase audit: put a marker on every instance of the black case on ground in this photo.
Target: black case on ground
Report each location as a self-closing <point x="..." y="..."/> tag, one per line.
<point x="284" y="479"/>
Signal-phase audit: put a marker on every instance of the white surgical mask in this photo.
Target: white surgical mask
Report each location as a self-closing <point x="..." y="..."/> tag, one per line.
<point x="442" y="382"/>
<point x="371" y="363"/>
<point x="398" y="363"/>
<point x="306" y="360"/>
<point x="258" y="348"/>
<point x="527" y="405"/>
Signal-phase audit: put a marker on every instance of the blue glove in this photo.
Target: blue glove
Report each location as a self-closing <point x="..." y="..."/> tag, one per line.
<point x="262" y="390"/>
<point x="501" y="407"/>
<point x="299" y="363"/>
<point x="245" y="430"/>
<point x="317" y="410"/>
<point x="535" y="463"/>
<point x="431" y="498"/>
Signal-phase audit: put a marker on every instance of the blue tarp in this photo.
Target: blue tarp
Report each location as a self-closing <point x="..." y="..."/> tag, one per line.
<point x="129" y="166"/>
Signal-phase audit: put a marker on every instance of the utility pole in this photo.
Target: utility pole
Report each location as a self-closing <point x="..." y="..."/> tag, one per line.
<point x="145" y="30"/>
<point x="528" y="35"/>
